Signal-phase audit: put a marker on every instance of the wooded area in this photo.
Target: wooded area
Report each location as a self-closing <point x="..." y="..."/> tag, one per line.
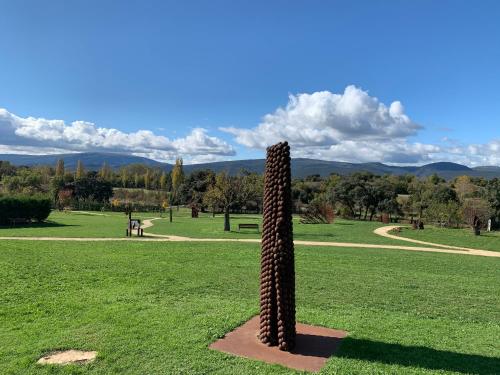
<point x="361" y="195"/>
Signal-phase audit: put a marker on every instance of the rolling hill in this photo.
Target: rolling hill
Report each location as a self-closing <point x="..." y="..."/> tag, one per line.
<point x="300" y="167"/>
<point x="91" y="160"/>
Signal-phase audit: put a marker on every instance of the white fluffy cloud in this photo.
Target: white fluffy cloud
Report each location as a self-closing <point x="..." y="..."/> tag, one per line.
<point x="325" y="119"/>
<point x="371" y="151"/>
<point x="50" y="136"/>
<point x="405" y="153"/>
<point x="354" y="127"/>
<point x="477" y="154"/>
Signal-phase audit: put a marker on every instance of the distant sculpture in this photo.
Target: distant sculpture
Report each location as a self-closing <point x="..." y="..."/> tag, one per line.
<point x="194" y="211"/>
<point x="318" y="213"/>
<point x="476" y="225"/>
<point x="277" y="278"/>
<point x="418" y="224"/>
<point x="385" y="218"/>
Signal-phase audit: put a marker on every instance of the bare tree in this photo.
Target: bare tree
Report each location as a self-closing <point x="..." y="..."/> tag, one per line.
<point x="224" y="193"/>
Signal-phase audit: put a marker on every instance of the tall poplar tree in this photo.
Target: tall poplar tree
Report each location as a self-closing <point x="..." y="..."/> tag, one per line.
<point x="124" y="177"/>
<point x="147" y="179"/>
<point x="105" y="172"/>
<point x="60" y="168"/>
<point x="177" y="178"/>
<point x="80" y="170"/>
<point x="163" y="181"/>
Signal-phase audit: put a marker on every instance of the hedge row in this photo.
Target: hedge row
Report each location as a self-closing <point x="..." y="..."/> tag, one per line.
<point x="26" y="208"/>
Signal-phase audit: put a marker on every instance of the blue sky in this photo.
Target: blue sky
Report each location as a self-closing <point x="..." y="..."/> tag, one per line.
<point x="206" y="79"/>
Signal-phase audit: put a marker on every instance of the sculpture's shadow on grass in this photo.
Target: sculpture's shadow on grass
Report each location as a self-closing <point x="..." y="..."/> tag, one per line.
<point x="418" y="356"/>
<point x="315" y="345"/>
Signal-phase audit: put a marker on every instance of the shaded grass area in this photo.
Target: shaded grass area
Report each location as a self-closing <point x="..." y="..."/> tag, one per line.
<point x="155" y="307"/>
<point x="454" y="237"/>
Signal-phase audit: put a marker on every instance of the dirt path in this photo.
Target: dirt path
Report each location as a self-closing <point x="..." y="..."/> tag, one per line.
<point x="384" y="232"/>
<point x="148" y="223"/>
<point x="150" y="237"/>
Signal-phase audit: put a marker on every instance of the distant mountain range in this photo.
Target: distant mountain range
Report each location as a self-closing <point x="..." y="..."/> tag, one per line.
<point x="91" y="160"/>
<point x="300" y="167"/>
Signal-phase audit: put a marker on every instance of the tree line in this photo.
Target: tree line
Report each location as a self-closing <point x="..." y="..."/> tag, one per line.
<point x="361" y="195"/>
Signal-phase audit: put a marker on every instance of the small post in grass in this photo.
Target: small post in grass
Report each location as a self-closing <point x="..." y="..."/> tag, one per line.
<point x="128" y="212"/>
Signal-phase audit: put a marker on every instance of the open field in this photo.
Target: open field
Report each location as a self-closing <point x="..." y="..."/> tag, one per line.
<point x="113" y="224"/>
<point x="76" y="224"/>
<point x="454" y="237"/>
<point x="207" y="226"/>
<point x="155" y="307"/>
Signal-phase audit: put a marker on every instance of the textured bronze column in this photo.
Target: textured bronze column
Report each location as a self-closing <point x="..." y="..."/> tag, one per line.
<point x="277" y="278"/>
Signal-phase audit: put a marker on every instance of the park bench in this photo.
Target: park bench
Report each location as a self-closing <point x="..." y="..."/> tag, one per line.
<point x="248" y="226"/>
<point x="19" y="220"/>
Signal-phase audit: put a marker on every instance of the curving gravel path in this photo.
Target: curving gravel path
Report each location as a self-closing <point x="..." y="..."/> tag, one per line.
<point x="384" y="232"/>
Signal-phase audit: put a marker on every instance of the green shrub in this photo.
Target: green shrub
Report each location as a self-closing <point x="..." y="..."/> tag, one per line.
<point x="22" y="207"/>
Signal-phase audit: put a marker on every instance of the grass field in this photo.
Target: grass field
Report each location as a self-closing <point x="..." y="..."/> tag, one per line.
<point x="153" y="308"/>
<point x="76" y="224"/>
<point x="110" y="224"/>
<point x="207" y="226"/>
<point x="455" y="237"/>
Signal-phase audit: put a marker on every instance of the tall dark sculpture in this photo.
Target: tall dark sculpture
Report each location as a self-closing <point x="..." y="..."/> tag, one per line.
<point x="277" y="278"/>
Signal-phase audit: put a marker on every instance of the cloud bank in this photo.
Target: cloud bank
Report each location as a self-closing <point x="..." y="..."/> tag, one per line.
<point x="351" y="126"/>
<point x="39" y="135"/>
<point x="354" y="127"/>
<point x="324" y="118"/>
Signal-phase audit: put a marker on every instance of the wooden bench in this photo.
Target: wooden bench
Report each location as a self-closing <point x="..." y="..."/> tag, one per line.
<point x="248" y="226"/>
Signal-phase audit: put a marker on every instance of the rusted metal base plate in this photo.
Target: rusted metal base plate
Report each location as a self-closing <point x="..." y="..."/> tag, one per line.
<point x="314" y="345"/>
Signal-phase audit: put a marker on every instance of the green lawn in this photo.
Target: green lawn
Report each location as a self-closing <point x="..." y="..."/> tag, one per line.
<point x="113" y="224"/>
<point x="153" y="308"/>
<point x="455" y="237"/>
<point x="110" y="224"/>
<point x="207" y="226"/>
<point x="76" y="224"/>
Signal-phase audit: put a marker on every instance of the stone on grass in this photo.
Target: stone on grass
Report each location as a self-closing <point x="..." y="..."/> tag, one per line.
<point x="67" y="357"/>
